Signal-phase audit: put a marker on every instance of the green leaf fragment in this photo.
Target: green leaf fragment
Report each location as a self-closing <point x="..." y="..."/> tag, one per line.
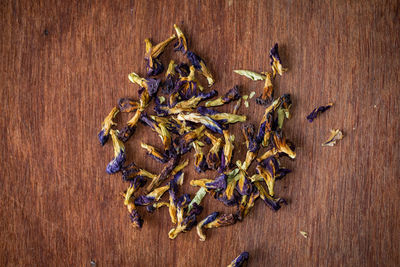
<point x="197" y="198"/>
<point x="251" y="75"/>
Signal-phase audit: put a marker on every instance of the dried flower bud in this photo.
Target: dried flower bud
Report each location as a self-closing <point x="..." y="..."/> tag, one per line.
<point x="214" y="154"/>
<point x="208" y="219"/>
<point x="104" y="134"/>
<point x="200" y="163"/>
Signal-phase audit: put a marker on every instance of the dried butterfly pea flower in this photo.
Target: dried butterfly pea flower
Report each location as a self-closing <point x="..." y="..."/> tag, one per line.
<point x="273" y="203"/>
<point x="200" y="163"/>
<point x="276" y="63"/>
<point x="182" y="69"/>
<point x="214" y="220"/>
<point x="179" y="167"/>
<point x="282" y="145"/>
<point x="132" y="171"/>
<point x="334" y="136"/>
<point x="221" y="117"/>
<point x="237" y="106"/>
<point x="240" y="260"/>
<point x="318" y="110"/>
<point x="227" y="152"/>
<point x="232" y="95"/>
<point x="218" y="184"/>
<point x="251" y="75"/>
<point x="243" y="184"/>
<point x="184" y="142"/>
<point x="151" y="85"/>
<point x="200" y="182"/>
<point x="248" y="131"/>
<point x="153" y="196"/>
<point x="128" y="105"/>
<point x="268" y="92"/>
<point x="166" y="171"/>
<point x="205" y="221"/>
<point x="268" y="177"/>
<point x="186" y="87"/>
<point x="214" y="154"/>
<point x="104" y="134"/>
<point x="153" y="65"/>
<point x="186" y="105"/>
<point x="173" y="198"/>
<point x="230" y="196"/>
<point x="154" y="153"/>
<point x="181" y="45"/>
<point x="136" y="220"/>
<point x="248" y="203"/>
<point x="201" y="193"/>
<point x="119" y="154"/>
<point x="204" y="120"/>
<point x="151" y="208"/>
<point x="200" y="65"/>
<point x="161" y="130"/>
<point x="185" y="223"/>
<point x="170" y="78"/>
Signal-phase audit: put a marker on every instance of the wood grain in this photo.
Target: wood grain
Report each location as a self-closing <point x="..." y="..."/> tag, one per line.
<point x="64" y="65"/>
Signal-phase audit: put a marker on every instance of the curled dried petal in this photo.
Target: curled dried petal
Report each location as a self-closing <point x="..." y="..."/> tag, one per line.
<point x="240" y="260"/>
<point x="119" y="154"/>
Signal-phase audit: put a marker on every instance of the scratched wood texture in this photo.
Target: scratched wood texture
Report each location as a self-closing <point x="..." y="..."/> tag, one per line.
<point x="64" y="65"/>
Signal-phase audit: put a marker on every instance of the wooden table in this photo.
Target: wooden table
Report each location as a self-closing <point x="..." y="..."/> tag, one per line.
<point x="64" y="66"/>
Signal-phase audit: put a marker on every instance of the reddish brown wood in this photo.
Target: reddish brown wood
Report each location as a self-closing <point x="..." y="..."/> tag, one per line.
<point x="64" y="65"/>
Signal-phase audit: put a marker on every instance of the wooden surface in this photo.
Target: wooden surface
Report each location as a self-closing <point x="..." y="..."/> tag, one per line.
<point x="64" y="66"/>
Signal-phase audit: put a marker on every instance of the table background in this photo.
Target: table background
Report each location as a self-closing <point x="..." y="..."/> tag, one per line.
<point x="64" y="65"/>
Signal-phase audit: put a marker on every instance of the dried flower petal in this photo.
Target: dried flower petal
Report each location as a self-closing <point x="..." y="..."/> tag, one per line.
<point x="204" y="120"/>
<point x="200" y="65"/>
<point x="104" y="134"/>
<point x="273" y="203"/>
<point x="221" y="117"/>
<point x="181" y="45"/>
<point x="227" y="153"/>
<point x="153" y="65"/>
<point x="214" y="154"/>
<point x="200" y="163"/>
<point x="119" y="154"/>
<point x="268" y="92"/>
<point x="154" y="153"/>
<point x="128" y="105"/>
<point x="276" y="63"/>
<point x="151" y="85"/>
<point x="232" y="95"/>
<point x="240" y="260"/>
<point x="318" y="110"/>
<point x="251" y="75"/>
<point x="334" y="136"/>
<point x="205" y="221"/>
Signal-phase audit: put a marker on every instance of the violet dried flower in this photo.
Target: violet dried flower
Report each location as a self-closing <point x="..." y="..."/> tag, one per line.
<point x="104" y="134"/>
<point x="276" y="63"/>
<point x="119" y="154"/>
<point x="232" y="95"/>
<point x="317" y="111"/>
<point x="240" y="260"/>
